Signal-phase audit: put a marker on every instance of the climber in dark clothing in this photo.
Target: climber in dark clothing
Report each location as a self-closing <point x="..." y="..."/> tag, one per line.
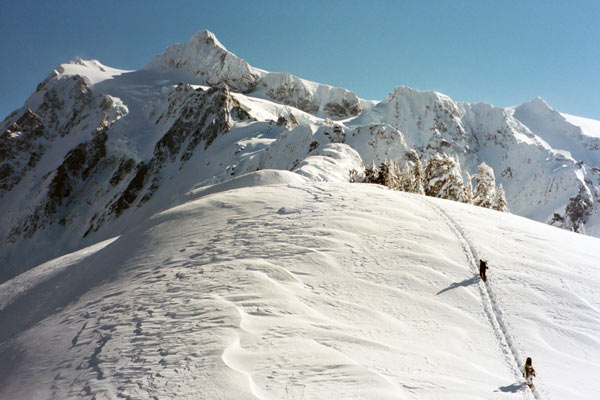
<point x="528" y="372"/>
<point x="482" y="267"/>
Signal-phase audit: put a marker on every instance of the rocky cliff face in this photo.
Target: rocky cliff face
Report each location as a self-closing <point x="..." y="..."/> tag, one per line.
<point x="95" y="149"/>
<point x="61" y="106"/>
<point x="194" y="117"/>
<point x="22" y="144"/>
<point x="309" y="97"/>
<point x="69" y="172"/>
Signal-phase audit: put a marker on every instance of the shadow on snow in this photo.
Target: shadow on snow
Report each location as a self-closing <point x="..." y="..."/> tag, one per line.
<point x="466" y="282"/>
<point x="513" y="388"/>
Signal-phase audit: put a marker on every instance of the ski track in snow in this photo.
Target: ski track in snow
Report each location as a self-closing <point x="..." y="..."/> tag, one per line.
<point x="491" y="307"/>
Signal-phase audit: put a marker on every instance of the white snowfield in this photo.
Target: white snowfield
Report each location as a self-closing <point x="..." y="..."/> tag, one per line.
<point x="589" y="127"/>
<point x="276" y="287"/>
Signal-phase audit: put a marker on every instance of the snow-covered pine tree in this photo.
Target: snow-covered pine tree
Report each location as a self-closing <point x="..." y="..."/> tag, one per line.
<point x="405" y="182"/>
<point x="411" y="174"/>
<point x="484" y="193"/>
<point x="417" y="177"/>
<point x="500" y="201"/>
<point x="443" y="179"/>
<point x="468" y="186"/>
<point x="371" y="173"/>
<point x="394" y="178"/>
<point x="386" y="174"/>
<point x="357" y="176"/>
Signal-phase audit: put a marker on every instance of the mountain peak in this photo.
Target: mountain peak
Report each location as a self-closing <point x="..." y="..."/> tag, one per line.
<point x="205" y="38"/>
<point x="408" y="95"/>
<point x="206" y="59"/>
<point x="93" y="71"/>
<point x="536" y="104"/>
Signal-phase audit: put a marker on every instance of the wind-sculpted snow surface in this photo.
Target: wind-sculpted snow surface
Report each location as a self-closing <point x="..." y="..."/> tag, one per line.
<point x="278" y="287"/>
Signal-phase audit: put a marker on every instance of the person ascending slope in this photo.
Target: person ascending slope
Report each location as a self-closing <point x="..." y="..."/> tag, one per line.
<point x="482" y="267"/>
<point x="529" y="372"/>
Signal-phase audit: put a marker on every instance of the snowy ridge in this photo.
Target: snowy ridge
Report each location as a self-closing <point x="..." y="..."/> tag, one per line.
<point x="558" y="133"/>
<point x="278" y="287"/>
<point x="92" y="70"/>
<point x="589" y="127"/>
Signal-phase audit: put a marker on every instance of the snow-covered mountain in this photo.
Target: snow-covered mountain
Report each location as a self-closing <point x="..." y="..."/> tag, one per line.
<point x="274" y="286"/>
<point x="211" y="245"/>
<point x="95" y="149"/>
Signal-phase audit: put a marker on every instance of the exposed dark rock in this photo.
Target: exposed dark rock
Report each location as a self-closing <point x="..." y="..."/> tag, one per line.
<point x="336" y="135"/>
<point x="288" y="122"/>
<point x="131" y="192"/>
<point x="76" y="168"/>
<point x="578" y="209"/>
<point x="295" y="95"/>
<point x="54" y="111"/>
<point x="195" y="116"/>
<point x="412" y="156"/>
<point x="507" y="173"/>
<point x="21" y="148"/>
<point x="124" y="168"/>
<point x="203" y="117"/>
<point x="344" y="109"/>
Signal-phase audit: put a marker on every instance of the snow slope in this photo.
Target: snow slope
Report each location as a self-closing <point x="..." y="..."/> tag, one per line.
<point x="273" y="286"/>
<point x="589" y="127"/>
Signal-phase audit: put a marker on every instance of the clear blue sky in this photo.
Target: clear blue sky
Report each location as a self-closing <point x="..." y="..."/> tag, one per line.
<point x="500" y="52"/>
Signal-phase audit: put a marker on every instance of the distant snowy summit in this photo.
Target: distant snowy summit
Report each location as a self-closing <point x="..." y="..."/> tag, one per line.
<point x="209" y="63"/>
<point x="95" y="149"/>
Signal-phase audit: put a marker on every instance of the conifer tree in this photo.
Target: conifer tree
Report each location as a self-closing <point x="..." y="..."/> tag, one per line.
<point x="484" y="193"/>
<point x="500" y="201"/>
<point x="443" y="179"/>
<point x="468" y="187"/>
<point x="417" y="178"/>
<point x="357" y="176"/>
<point x="404" y="178"/>
<point x="396" y="177"/>
<point x="385" y="176"/>
<point x="371" y="173"/>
